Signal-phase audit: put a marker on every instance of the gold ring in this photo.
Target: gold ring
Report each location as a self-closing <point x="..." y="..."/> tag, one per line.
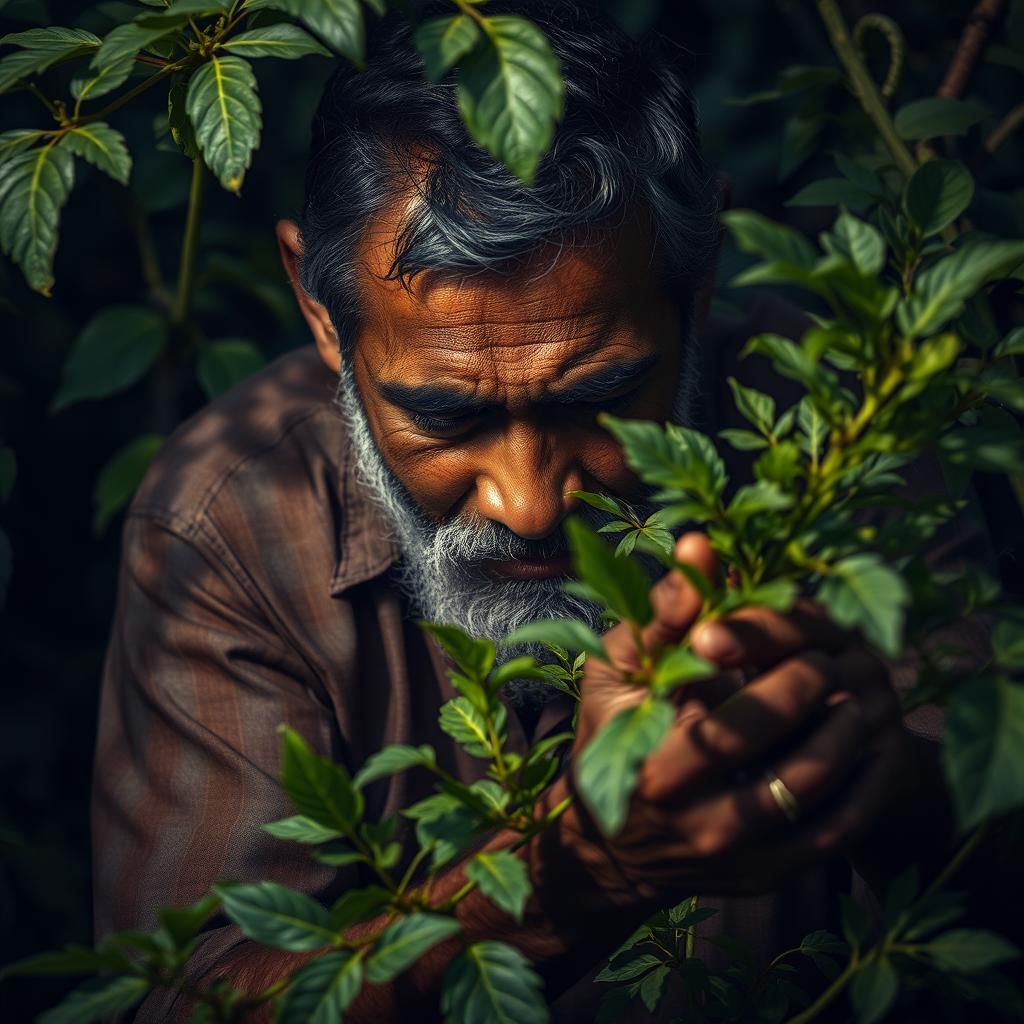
<point x="783" y="798"/>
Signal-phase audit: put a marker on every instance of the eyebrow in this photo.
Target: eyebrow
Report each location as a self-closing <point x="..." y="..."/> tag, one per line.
<point x="438" y="400"/>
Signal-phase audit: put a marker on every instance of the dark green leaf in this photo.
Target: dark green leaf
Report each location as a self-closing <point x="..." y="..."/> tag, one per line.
<point x="101" y="146"/>
<point x="223" y="364"/>
<point x="473" y="657"/>
<point x="405" y="941"/>
<point x="856" y="922"/>
<point x="359" y="905"/>
<point x="322" y="990"/>
<point x="966" y="950"/>
<point x="937" y="193"/>
<point x="937" y="115"/>
<point x="122" y="43"/>
<point x="96" y="1000"/>
<point x="769" y="240"/>
<point x="93" y="84"/>
<point x="276" y="916"/>
<point x="115" y="350"/>
<point x="622" y="584"/>
<point x="873" y="991"/>
<point x="338" y="22"/>
<point x="607" y="770"/>
<point x="652" y="987"/>
<point x="831" y="192"/>
<point x="502" y="878"/>
<point x="755" y="406"/>
<point x="1008" y="642"/>
<point x="862" y="592"/>
<point x="120" y="478"/>
<point x="443" y="42"/>
<point x="447" y="822"/>
<point x="1011" y="345"/>
<point x="861" y="243"/>
<point x="744" y="440"/>
<point x="182" y="924"/>
<point x="72" y="960"/>
<point x="301" y="829"/>
<point x="282" y="40"/>
<point x="41" y="48"/>
<point x="823" y="942"/>
<point x="320" y="789"/>
<point x="491" y="981"/>
<point x="511" y="93"/>
<point x="392" y="760"/>
<point x="224" y="108"/>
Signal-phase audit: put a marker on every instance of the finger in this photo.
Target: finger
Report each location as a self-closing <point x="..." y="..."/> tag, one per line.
<point x="756" y="638"/>
<point x="675" y="600"/>
<point x="746" y="725"/>
<point x="866" y="676"/>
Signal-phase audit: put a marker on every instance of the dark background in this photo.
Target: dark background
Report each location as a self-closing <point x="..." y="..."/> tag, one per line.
<point x="60" y="597"/>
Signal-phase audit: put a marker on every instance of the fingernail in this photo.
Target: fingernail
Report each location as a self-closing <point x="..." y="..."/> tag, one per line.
<point x="716" y="642"/>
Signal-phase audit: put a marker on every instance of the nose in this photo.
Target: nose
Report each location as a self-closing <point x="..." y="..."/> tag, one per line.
<point x="526" y="482"/>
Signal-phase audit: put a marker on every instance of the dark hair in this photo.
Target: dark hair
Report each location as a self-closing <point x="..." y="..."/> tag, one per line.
<point x="628" y="144"/>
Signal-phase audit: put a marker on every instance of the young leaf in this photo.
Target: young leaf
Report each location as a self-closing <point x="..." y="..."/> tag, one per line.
<point x="225" y="363"/>
<point x="511" y="93"/>
<point x="40" y="49"/>
<point x="622" y="584"/>
<point x="121" y="476"/>
<point x="602" y="502"/>
<point x="752" y="499"/>
<point x="338" y="22"/>
<point x="873" y="990"/>
<point x="861" y="243"/>
<point x="937" y="115"/>
<point x="491" y="981"/>
<point x="115" y="349"/>
<point x="443" y="42"/>
<point x="285" y="41"/>
<point x="743" y="440"/>
<point x="392" y="760"/>
<point x="406" y="941"/>
<point x="678" y="666"/>
<point x="606" y="772"/>
<point x="97" y="999"/>
<point x="464" y="723"/>
<point x="982" y="752"/>
<point x="278" y="917"/>
<point x="966" y="950"/>
<point x="567" y="633"/>
<point x="34" y="185"/>
<point x="320" y="789"/>
<point x="755" y="406"/>
<point x="473" y="657"/>
<point x="937" y="193"/>
<point x="861" y="592"/>
<point x="502" y="878"/>
<point x="323" y="989"/>
<point x="779" y="465"/>
<point x="301" y="829"/>
<point x="224" y="108"/>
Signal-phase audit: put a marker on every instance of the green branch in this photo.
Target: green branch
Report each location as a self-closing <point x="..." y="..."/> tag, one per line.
<point x="189" y="245"/>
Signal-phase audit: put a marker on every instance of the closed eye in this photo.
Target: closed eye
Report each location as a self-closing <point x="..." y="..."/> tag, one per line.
<point x="442" y="425"/>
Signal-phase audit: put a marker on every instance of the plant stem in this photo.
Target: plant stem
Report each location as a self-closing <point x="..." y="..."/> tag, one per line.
<point x="958" y="859"/>
<point x="864" y="86"/>
<point x="189" y="245"/>
<point x="972" y="44"/>
<point x="1009" y="124"/>
<point x="41" y="96"/>
<point x="829" y="994"/>
<point x="691" y="932"/>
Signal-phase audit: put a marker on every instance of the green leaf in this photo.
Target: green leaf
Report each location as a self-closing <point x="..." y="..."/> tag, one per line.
<point x="42" y="48"/>
<point x="96" y="1000"/>
<point x="621" y="583"/>
<point x="178" y="124"/>
<point x="359" y="905"/>
<point x="103" y="147"/>
<point x="182" y="924"/>
<point x="277" y="916"/>
<point x="743" y="440"/>
<point x="121" y="476"/>
<point x="629" y="964"/>
<point x="983" y="752"/>
<point x="443" y="42"/>
<point x="502" y="878"/>
<point x="72" y="960"/>
<point x="678" y="666"/>
<point x="752" y="499"/>
<point x="1008" y="642"/>
<point x="392" y="760"/>
<point x="122" y="43"/>
<point x="465" y="724"/>
<point x="34" y="185"/>
<point x="937" y="193"/>
<point x="223" y="364"/>
<point x="607" y="770"/>
<point x="93" y="84"/>
<point x="405" y="941"/>
<point x="283" y="40"/>
<point x="873" y="990"/>
<point x="932" y="356"/>
<point x="937" y="115"/>
<point x="780" y="464"/>
<point x="652" y="987"/>
<point x="301" y="829"/>
<point x="602" y="502"/>
<point x="473" y="657"/>
<point x="966" y="950"/>
<point x="831" y="192"/>
<point x="115" y="349"/>
<point x="446" y="821"/>
<point x="862" y="592"/>
<point x="861" y="243"/>
<point x="491" y="981"/>
<point x="755" y="406"/>
<point x="823" y="942"/>
<point x="568" y="633"/>
<point x="338" y="22"/>
<point x="320" y="789"/>
<point x="769" y="240"/>
<point x="1011" y="345"/>
<point x="224" y="108"/>
<point x="779" y="595"/>
<point x="16" y="141"/>
<point x="511" y="94"/>
<point x="322" y="990"/>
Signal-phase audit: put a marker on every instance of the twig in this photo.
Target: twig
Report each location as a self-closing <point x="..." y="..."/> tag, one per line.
<point x="189" y="245"/>
<point x="1002" y="131"/>
<point x="883" y="24"/>
<point x="972" y="44"/>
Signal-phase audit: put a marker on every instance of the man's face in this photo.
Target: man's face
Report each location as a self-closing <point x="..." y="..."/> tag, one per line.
<point x="482" y="395"/>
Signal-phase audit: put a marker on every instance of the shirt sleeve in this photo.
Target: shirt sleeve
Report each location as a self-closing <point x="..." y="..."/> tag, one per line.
<point x="196" y="683"/>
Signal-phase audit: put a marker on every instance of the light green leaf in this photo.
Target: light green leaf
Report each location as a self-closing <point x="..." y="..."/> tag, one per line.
<point x="873" y="990"/>
<point x="607" y="770"/>
<point x="937" y="115"/>
<point x="755" y="406"/>
<point x="405" y="941"/>
<point x="511" y="94"/>
<point x="966" y="950"/>
<point x="502" y="878"/>
<point x="752" y="499"/>
<point x="42" y="48"/>
<point x="277" y="916"/>
<point x="680" y="665"/>
<point x="464" y="723"/>
<point x="120" y="477"/>
<point x="622" y="584"/>
<point x="96" y="1000"/>
<point x="393" y="760"/>
<point x="301" y="829"/>
<point x="322" y="990"/>
<point x="983" y="752"/>
<point x="743" y="440"/>
<point x="602" y="502"/>
<point x="34" y="185"/>
<point x="568" y="633"/>
<point x="491" y="981"/>
<point x="862" y="592"/>
<point x="115" y="350"/>
<point x="283" y="40"/>
<point x="776" y="594"/>
<point x="937" y="193"/>
<point x="780" y="464"/>
<point x="225" y="363"/>
<point x="861" y="243"/>
<point x="443" y="42"/>
<point x="103" y="147"/>
<point x="338" y="22"/>
<point x="224" y="108"/>
<point x="320" y="789"/>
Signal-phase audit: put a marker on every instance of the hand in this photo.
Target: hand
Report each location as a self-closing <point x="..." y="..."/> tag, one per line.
<point x="819" y="711"/>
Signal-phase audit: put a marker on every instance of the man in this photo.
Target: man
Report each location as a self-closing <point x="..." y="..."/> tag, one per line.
<point x="283" y="544"/>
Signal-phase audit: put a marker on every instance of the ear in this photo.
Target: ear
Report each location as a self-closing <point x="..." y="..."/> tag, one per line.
<point x="702" y="307"/>
<point x="290" y="243"/>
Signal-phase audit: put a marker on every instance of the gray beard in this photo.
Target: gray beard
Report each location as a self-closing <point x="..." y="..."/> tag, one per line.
<point x="441" y="568"/>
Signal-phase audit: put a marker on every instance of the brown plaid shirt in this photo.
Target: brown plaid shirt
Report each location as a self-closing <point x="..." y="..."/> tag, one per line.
<point x="254" y="590"/>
